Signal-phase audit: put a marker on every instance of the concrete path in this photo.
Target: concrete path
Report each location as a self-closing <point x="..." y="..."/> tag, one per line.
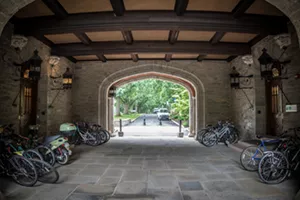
<point x="152" y="127"/>
<point x="153" y="168"/>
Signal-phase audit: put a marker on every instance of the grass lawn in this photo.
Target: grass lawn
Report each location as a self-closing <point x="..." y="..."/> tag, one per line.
<point x="129" y="116"/>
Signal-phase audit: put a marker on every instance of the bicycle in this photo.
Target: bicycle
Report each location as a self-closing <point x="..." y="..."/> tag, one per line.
<point x="251" y="156"/>
<point x="275" y="166"/>
<point x="227" y="134"/>
<point x="19" y="168"/>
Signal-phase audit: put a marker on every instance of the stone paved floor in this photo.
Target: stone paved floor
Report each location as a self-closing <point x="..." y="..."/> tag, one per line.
<point x="165" y="168"/>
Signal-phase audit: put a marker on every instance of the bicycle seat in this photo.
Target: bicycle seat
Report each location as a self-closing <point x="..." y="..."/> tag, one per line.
<point x="49" y="139"/>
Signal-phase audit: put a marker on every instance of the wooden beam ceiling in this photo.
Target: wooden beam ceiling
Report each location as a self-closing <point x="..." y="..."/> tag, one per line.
<point x="83" y="38"/>
<point x="127" y="35"/>
<point x="168" y="57"/>
<point x="180" y="6"/>
<point x="56" y="8"/>
<point x="152" y="47"/>
<point x="152" y="20"/>
<point x="241" y="8"/>
<point x="217" y="37"/>
<point x="135" y="57"/>
<point x="118" y="7"/>
<point x="101" y="57"/>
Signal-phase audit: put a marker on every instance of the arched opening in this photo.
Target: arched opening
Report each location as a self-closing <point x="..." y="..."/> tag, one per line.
<point x="191" y="83"/>
<point x="163" y="77"/>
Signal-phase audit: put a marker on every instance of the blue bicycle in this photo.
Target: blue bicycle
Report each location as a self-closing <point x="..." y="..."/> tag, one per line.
<point x="251" y="156"/>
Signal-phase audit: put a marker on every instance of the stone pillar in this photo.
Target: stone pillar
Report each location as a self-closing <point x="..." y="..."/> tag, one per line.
<point x="118" y="107"/>
<point x="192" y="121"/>
<point x="111" y="115"/>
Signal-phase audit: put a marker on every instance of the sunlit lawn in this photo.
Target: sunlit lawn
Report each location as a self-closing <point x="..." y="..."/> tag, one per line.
<point x="128" y="116"/>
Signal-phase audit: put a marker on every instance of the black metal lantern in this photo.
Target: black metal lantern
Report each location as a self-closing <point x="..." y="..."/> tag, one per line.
<point x="112" y="91"/>
<point x="266" y="64"/>
<point x="67" y="79"/>
<point x="234" y="78"/>
<point x="35" y="66"/>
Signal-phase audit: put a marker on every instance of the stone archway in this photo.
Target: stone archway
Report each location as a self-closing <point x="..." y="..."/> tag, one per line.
<point x="164" y="77"/>
<point x="291" y="8"/>
<point x="198" y="101"/>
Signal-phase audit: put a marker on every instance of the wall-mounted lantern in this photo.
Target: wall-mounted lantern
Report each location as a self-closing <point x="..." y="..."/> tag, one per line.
<point x="238" y="81"/>
<point x="67" y="79"/>
<point x="35" y="66"/>
<point x="271" y="68"/>
<point x="266" y="62"/>
<point x="112" y="91"/>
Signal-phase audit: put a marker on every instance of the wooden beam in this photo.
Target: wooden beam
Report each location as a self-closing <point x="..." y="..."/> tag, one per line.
<point x="173" y="35"/>
<point x="258" y="38"/>
<point x="180" y="6"/>
<point x="118" y="7"/>
<point x="241" y="8"/>
<point x="200" y="58"/>
<point x="152" y="20"/>
<point x="217" y="37"/>
<point x="135" y="57"/>
<point x="231" y="58"/>
<point x="56" y="8"/>
<point x="168" y="57"/>
<point x="101" y="57"/>
<point x="127" y="35"/>
<point x="70" y="58"/>
<point x="44" y="40"/>
<point x="83" y="38"/>
<point x="76" y="49"/>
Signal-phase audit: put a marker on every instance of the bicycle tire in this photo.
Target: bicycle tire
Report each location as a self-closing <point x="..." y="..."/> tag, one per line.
<point x="200" y="135"/>
<point x="18" y="169"/>
<point x="32" y="154"/>
<point x="47" y="154"/>
<point x="95" y="141"/>
<point x="102" y="136"/>
<point x="209" y="139"/>
<point x="46" y="172"/>
<point x="272" y="158"/>
<point x="246" y="158"/>
<point x="107" y="135"/>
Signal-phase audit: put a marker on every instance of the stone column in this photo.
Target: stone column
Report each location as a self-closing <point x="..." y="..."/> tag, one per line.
<point x="110" y="115"/>
<point x="192" y="121"/>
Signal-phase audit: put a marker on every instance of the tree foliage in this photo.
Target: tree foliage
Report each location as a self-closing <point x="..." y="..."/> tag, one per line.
<point x="145" y="95"/>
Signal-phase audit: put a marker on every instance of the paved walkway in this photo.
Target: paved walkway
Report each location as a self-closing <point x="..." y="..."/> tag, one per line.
<point x="152" y="127"/>
<point x="153" y="168"/>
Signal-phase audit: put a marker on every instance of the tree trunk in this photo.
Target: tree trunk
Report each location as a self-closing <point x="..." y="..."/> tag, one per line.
<point x="126" y="108"/>
<point x="118" y="107"/>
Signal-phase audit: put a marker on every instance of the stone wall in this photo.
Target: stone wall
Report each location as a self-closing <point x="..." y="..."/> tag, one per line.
<point x="253" y="121"/>
<point x="213" y="75"/>
<point x="243" y="101"/>
<point x="49" y="119"/>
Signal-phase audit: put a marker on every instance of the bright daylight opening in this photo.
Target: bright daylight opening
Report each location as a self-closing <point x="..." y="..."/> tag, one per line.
<point x="151" y="107"/>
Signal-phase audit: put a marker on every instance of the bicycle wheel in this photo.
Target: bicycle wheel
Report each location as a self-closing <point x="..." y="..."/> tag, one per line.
<point x="47" y="154"/>
<point x="250" y="158"/>
<point x="102" y="136"/>
<point x="32" y="154"/>
<point x="93" y="139"/>
<point x="273" y="168"/>
<point x="209" y="139"/>
<point x="107" y="135"/>
<point x="23" y="172"/>
<point x="46" y="173"/>
<point x="200" y="135"/>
